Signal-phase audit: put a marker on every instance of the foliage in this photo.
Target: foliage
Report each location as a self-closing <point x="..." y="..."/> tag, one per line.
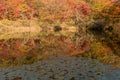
<point x="51" y="45"/>
<point x="57" y="28"/>
<point x="107" y="23"/>
<point x="82" y="13"/>
<point x="2" y="9"/>
<point x="12" y="9"/>
<point x="44" y="9"/>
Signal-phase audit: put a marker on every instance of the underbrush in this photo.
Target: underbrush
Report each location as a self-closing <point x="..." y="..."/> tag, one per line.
<point x="103" y="53"/>
<point x="21" y="25"/>
<point x="16" y="52"/>
<point x="20" y="51"/>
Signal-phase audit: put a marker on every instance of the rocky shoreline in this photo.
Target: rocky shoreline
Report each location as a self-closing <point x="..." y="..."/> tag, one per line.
<point x="61" y="68"/>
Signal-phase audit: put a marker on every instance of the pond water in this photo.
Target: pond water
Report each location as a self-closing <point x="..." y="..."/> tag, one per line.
<point x="61" y="68"/>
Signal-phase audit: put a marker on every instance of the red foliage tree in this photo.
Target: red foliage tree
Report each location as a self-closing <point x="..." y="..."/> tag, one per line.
<point x="3" y="8"/>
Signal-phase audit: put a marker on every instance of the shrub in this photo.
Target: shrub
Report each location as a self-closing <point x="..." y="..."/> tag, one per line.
<point x="59" y="10"/>
<point x="57" y="28"/>
<point x="3" y="8"/>
<point x="14" y="9"/>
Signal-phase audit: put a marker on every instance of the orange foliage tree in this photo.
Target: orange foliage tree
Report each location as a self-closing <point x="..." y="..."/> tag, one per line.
<point x="44" y="9"/>
<point x="12" y="9"/>
<point x="63" y="9"/>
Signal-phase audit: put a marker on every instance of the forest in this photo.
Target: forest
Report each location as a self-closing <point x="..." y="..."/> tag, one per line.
<point x="35" y="30"/>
